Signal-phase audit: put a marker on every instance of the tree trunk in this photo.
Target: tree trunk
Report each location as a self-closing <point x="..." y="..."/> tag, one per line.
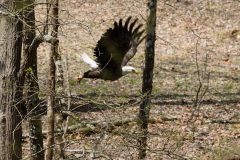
<point x="10" y="108"/>
<point x="52" y="80"/>
<point x="147" y="76"/>
<point x="29" y="74"/>
<point x="50" y="112"/>
<point x="59" y="76"/>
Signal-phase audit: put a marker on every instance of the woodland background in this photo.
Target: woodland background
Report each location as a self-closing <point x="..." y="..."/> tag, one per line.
<point x="195" y="107"/>
<point x="196" y="70"/>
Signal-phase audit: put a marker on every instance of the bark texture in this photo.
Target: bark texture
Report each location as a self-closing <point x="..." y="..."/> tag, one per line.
<point x="10" y="96"/>
<point x="50" y="112"/>
<point x="30" y="77"/>
<point x="52" y="80"/>
<point x="147" y="76"/>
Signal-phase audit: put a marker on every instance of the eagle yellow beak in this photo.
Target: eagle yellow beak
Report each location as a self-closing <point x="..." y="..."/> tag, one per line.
<point x="79" y="79"/>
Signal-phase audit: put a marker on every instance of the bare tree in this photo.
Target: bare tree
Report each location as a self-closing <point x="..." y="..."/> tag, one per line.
<point x="30" y="77"/>
<point x="10" y="56"/>
<point x="52" y="80"/>
<point x="147" y="76"/>
<point x="50" y="112"/>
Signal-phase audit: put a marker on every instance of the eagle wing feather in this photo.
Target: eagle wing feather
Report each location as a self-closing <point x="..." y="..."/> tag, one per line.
<point x="118" y="45"/>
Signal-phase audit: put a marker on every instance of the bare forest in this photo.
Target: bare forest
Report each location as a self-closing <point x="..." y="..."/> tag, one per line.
<point x="64" y="93"/>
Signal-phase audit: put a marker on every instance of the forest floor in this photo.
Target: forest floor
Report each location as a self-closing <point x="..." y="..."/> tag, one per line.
<point x="195" y="110"/>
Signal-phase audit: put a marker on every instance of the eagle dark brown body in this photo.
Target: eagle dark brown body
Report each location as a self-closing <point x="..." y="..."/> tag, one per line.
<point x="104" y="74"/>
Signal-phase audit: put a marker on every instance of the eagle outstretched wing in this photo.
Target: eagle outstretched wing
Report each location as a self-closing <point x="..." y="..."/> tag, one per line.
<point x="118" y="44"/>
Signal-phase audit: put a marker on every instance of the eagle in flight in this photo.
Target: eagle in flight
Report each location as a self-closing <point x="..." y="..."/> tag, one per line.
<point x="114" y="50"/>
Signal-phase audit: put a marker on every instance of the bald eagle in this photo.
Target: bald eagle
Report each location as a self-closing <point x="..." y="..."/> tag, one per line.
<point x="113" y="51"/>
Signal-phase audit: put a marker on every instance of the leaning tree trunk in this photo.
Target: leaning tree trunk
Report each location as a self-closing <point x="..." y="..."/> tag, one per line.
<point x="147" y="76"/>
<point x="10" y="106"/>
<point x="29" y="75"/>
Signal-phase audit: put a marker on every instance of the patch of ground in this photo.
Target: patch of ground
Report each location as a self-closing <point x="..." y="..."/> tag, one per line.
<point x="198" y="42"/>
